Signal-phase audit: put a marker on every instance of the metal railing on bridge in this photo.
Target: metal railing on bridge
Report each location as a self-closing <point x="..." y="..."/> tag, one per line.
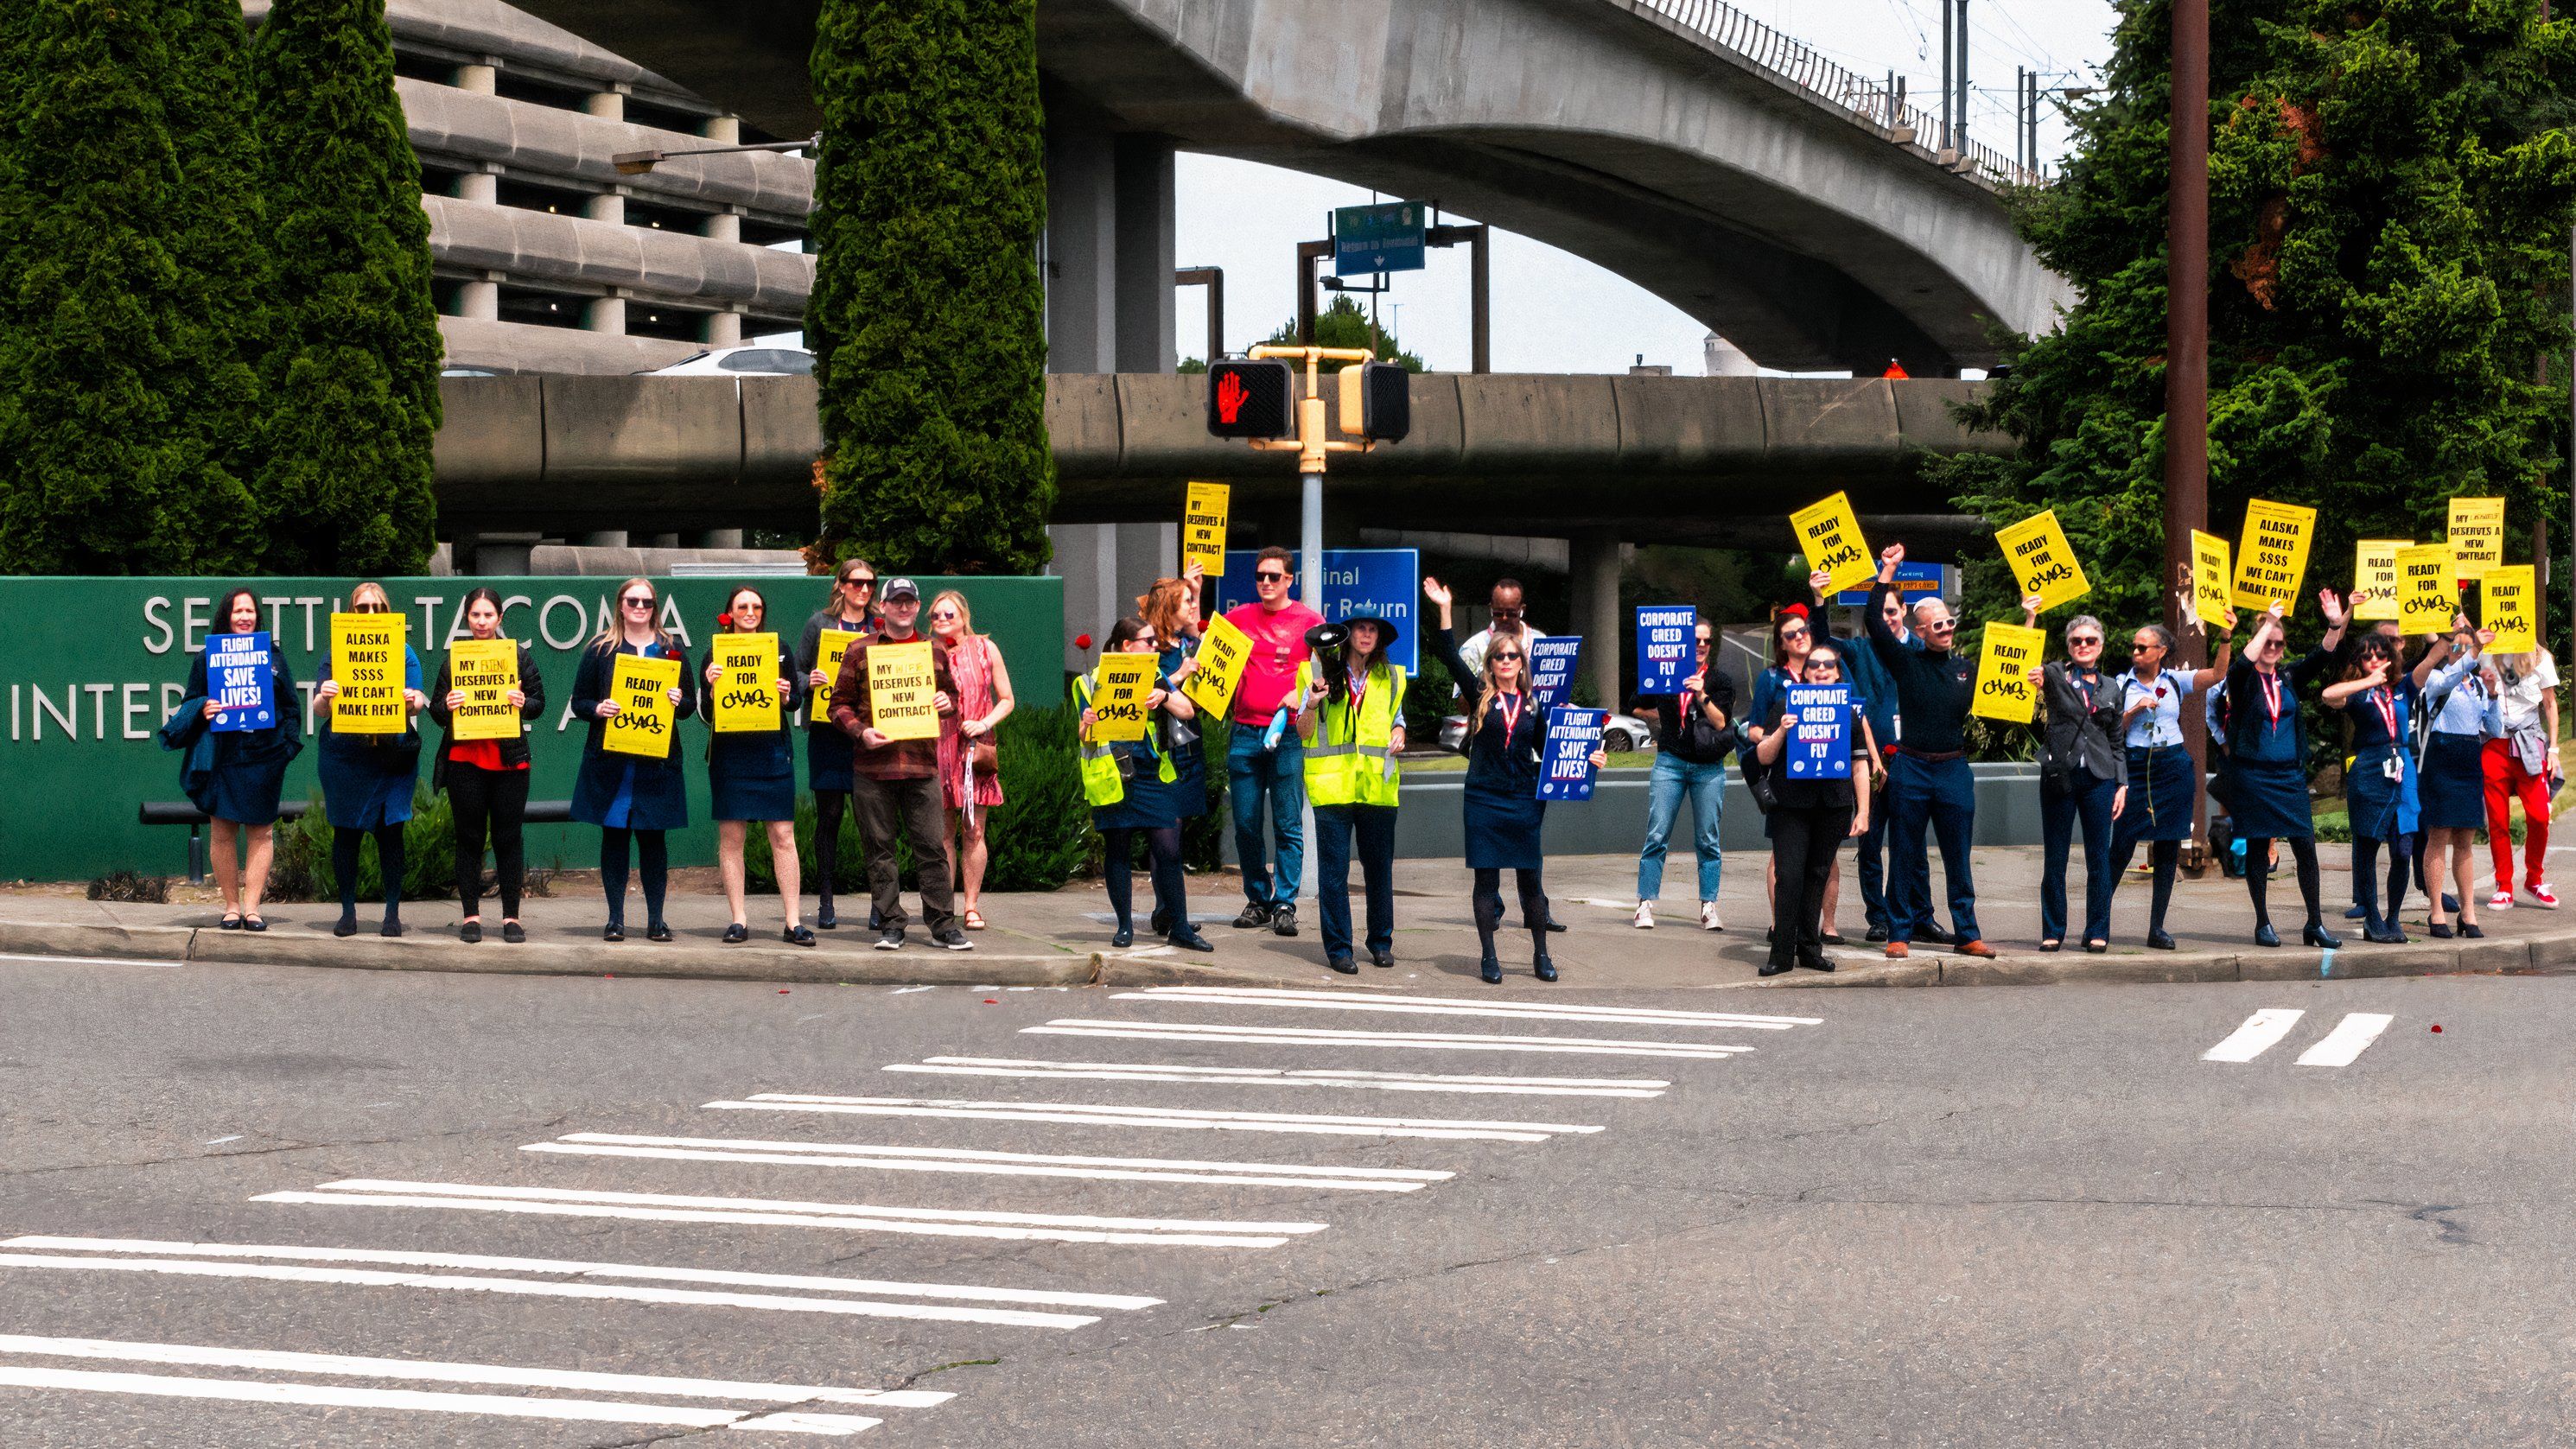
<point x="1880" y="103"/>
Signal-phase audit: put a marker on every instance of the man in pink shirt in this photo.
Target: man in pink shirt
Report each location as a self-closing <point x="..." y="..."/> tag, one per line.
<point x="1277" y="625"/>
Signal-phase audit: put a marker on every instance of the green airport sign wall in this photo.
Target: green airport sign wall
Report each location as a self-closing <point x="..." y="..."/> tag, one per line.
<point x="94" y="665"/>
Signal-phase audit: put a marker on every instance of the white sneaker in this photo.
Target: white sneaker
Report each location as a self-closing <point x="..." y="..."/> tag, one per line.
<point x="1708" y="917"/>
<point x="1645" y="920"/>
<point x="2500" y="901"/>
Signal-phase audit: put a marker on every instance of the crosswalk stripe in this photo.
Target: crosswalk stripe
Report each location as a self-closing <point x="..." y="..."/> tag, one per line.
<point x="2350" y="1038"/>
<point x="1635" y="1087"/>
<point x="1181" y="1118"/>
<point x="1451" y="1006"/>
<point x="961" y="1292"/>
<point x="861" y="1217"/>
<point x="429" y="1371"/>
<point x="596" y="1411"/>
<point x="2261" y="1032"/>
<point x="1414" y="1040"/>
<point x="1020" y="1164"/>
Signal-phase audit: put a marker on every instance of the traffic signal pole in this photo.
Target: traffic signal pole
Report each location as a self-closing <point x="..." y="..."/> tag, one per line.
<point x="1311" y="446"/>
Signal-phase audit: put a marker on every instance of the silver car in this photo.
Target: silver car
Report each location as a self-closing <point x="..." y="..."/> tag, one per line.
<point x="1622" y="734"/>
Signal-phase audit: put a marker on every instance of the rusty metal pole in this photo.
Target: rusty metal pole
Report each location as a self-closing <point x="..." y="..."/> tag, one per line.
<point x="2187" y="364"/>
<point x="1308" y="253"/>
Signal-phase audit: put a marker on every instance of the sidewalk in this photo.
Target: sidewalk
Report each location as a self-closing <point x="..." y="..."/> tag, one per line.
<point x="1062" y="938"/>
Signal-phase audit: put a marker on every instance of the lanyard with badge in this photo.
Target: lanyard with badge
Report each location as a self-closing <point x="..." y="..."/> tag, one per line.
<point x="2384" y="700"/>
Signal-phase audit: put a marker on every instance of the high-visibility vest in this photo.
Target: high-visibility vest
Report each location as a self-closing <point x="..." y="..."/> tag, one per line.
<point x="1352" y="761"/>
<point x="1102" y="785"/>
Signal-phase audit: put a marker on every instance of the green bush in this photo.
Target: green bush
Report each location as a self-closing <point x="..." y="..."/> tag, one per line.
<point x="302" y="868"/>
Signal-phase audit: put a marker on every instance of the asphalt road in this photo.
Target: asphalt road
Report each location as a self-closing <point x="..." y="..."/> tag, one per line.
<point x="1957" y="1217"/>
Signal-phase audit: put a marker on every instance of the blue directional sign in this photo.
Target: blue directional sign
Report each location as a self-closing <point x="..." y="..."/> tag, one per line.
<point x="1383" y="238"/>
<point x="1381" y="581"/>
<point x="1913" y="581"/>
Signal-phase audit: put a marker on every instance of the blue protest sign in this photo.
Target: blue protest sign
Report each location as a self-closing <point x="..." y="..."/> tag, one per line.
<point x="1551" y="667"/>
<point x="1913" y="581"/>
<point x="1381" y="581"/>
<point x="1665" y="647"/>
<point x="1565" y="764"/>
<point x="238" y="678"/>
<point x="1387" y="237"/>
<point x="1819" y="746"/>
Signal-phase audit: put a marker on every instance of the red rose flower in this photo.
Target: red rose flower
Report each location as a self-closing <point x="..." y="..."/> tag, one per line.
<point x="724" y="620"/>
<point x="1081" y="641"/>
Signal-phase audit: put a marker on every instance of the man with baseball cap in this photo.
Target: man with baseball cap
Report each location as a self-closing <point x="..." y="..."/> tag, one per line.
<point x="895" y="783"/>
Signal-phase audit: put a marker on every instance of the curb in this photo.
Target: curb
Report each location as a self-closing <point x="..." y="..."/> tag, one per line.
<point x="2551" y="955"/>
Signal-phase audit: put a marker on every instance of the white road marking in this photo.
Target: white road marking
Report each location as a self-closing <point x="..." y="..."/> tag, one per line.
<point x="857" y="1217"/>
<point x="1007" y="1164"/>
<point x="1415" y="1040"/>
<point x="1453" y="1006"/>
<point x="2351" y="1037"/>
<point x="805" y="1282"/>
<point x="1281" y="1077"/>
<point x="2261" y="1032"/>
<point x="594" y="1411"/>
<point x="1179" y="1118"/>
<point x="426" y="1371"/>
<point x="90" y="960"/>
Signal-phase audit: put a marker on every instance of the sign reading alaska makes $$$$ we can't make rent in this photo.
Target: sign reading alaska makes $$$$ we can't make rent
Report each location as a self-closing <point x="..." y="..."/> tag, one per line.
<point x="367" y="664"/>
<point x="2272" y="556"/>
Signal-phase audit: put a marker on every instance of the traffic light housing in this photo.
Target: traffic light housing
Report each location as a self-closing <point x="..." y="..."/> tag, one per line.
<point x="1377" y="401"/>
<point x="1250" y="399"/>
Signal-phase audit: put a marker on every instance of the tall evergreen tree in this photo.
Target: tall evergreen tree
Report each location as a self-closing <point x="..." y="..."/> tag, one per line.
<point x="353" y="377"/>
<point x="927" y="317"/>
<point x="2390" y="199"/>
<point x="131" y="320"/>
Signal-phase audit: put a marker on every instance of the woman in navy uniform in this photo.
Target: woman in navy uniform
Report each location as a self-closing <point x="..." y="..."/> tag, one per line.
<point x="2162" y="783"/>
<point x="2383" y="700"/>
<point x="234" y="776"/>
<point x="629" y="797"/>
<point x="367" y="782"/>
<point x="751" y="775"/>
<point x="1505" y="731"/>
<point x="2267" y="752"/>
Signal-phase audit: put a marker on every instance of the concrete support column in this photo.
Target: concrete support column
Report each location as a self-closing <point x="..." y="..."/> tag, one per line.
<point x="479" y="300"/>
<point x="723" y="130"/>
<point x="724" y="329"/>
<point x="608" y="538"/>
<point x="1144" y="236"/>
<point x="495" y="553"/>
<point x="1081" y="247"/>
<point x="1086" y="558"/>
<point x="483" y="79"/>
<point x="725" y="226"/>
<point x="605" y="314"/>
<point x="1596" y="609"/>
<point x="608" y="105"/>
<point x="482" y="187"/>
<point x="715" y="538"/>
<point x="609" y="206"/>
<point x="659" y="540"/>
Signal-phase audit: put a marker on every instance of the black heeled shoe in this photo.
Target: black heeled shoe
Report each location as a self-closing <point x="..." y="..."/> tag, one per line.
<point x="1124" y="937"/>
<point x="2264" y="935"/>
<point x="824" y="919"/>
<point x="2159" y="940"/>
<point x="2051" y="947"/>
<point x="2381" y="933"/>
<point x="2320" y="937"/>
<point x="1187" y="938"/>
<point x="2472" y="930"/>
<point x="2096" y="948"/>
<point x="2439" y="930"/>
<point x="1491" y="970"/>
<point x="1543" y="968"/>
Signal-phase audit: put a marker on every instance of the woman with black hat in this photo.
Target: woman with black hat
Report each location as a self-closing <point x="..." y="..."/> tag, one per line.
<point x="1350" y="715"/>
<point x="1504" y="814"/>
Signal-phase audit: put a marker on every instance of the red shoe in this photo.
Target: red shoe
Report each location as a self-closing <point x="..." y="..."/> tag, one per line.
<point x="2539" y="891"/>
<point x="1896" y="951"/>
<point x="1976" y="948"/>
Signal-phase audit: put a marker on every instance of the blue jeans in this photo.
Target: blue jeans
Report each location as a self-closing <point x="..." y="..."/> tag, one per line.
<point x="1250" y="772"/>
<point x="1675" y="777"/>
<point x="1942" y="796"/>
<point x="1375" y="826"/>
<point x="2059" y="805"/>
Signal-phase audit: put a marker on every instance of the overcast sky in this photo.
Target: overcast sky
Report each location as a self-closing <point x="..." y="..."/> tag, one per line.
<point x="1554" y="312"/>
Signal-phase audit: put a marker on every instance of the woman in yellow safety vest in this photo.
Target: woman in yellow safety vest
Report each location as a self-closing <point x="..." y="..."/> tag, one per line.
<point x="1134" y="789"/>
<point x="1350" y="713"/>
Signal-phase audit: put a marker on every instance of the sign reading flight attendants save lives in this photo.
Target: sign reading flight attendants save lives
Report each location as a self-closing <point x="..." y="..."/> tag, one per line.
<point x="645" y="720"/>
<point x="829" y="646"/>
<point x="485" y="671"/>
<point x="1667" y="647"/>
<point x="1118" y="699"/>
<point x="903" y="689"/>
<point x="367" y="664"/>
<point x="2209" y="578"/>
<point x="2041" y="560"/>
<point x="1565" y="764"/>
<point x="238" y="677"/>
<point x="744" y="698"/>
<point x="1819" y="745"/>
<point x="2003" y="673"/>
<point x="1223" y="651"/>
<point x="1203" y="525"/>
<point x="2511" y="608"/>
<point x="2272" y="557"/>
<point x="1829" y="531"/>
<point x="2426" y="597"/>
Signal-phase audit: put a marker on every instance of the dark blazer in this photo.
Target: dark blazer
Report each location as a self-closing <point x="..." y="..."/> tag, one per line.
<point x="659" y="796"/>
<point x="238" y="775"/>
<point x="2245" y="707"/>
<point x="514" y="750"/>
<point x="2077" y="736"/>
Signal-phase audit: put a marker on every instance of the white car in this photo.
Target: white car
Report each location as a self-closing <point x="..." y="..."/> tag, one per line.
<point x="1622" y="734"/>
<point x="741" y="362"/>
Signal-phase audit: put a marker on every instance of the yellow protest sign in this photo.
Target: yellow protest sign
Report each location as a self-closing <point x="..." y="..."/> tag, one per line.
<point x="901" y="686"/>
<point x="2209" y="578"/>
<point x="1830" y="533"/>
<point x="484" y="671"/>
<point x="1203" y="521"/>
<point x="645" y="719"/>
<point x="2042" y="561"/>
<point x="2272" y="556"/>
<point x="1118" y="697"/>
<point x="2374" y="570"/>
<point x="367" y="664"/>
<point x="2477" y="535"/>
<point x="829" y="646"/>
<point x="744" y="697"/>
<point x="2426" y="598"/>
<point x="2511" y="608"/>
<point x="2004" y="691"/>
<point x="1223" y="651"/>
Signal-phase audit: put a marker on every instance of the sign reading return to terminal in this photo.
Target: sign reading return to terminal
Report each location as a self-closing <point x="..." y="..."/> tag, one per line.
<point x="1380" y="581"/>
<point x="1383" y="238"/>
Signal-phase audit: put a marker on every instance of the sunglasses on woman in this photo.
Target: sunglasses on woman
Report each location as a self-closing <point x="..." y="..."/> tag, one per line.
<point x="1508" y="656"/>
<point x="637" y="601"/>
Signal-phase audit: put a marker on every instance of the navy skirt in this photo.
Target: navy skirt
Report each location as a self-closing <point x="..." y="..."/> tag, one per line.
<point x="2272" y="800"/>
<point x="1149" y="803"/>
<point x="828" y="758"/>
<point x="366" y="785"/>
<point x="1503" y="828"/>
<point x="2453" y="783"/>
<point x="243" y="791"/>
<point x="1190" y="791"/>
<point x="2160" y="796"/>
<point x="752" y="777"/>
<point x="629" y="792"/>
<point x="2371" y="800"/>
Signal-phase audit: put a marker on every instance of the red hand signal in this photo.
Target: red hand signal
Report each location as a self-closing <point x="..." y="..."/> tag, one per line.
<point x="1230" y="394"/>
